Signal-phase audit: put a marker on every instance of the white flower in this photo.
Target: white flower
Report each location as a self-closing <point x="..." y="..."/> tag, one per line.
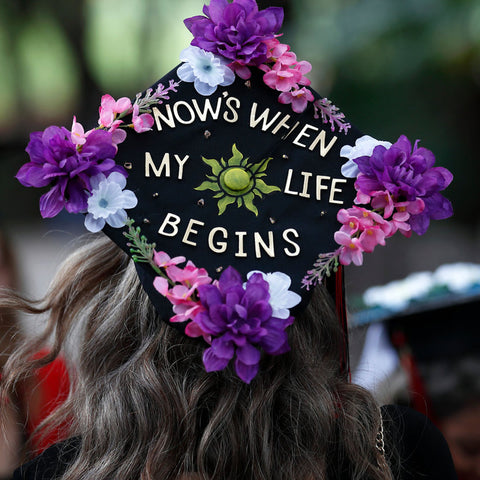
<point x="108" y="202"/>
<point x="281" y="298"/>
<point x="364" y="147"/>
<point x="205" y="70"/>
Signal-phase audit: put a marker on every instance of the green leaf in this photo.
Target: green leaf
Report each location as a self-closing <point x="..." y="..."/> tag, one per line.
<point x="214" y="165"/>
<point x="208" y="186"/>
<point x="236" y="159"/>
<point x="224" y="202"/>
<point x="264" y="188"/>
<point x="248" y="200"/>
<point x="261" y="166"/>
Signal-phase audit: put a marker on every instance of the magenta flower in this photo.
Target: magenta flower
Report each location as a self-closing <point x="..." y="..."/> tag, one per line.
<point x="236" y="31"/>
<point x="55" y="161"/>
<point x="240" y="323"/>
<point x="298" y="98"/>
<point x="407" y="174"/>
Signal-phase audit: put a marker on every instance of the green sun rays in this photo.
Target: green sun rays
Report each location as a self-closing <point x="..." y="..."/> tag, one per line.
<point x="237" y="181"/>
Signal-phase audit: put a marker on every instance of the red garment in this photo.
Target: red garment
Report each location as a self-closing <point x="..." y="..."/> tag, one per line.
<point x="51" y="389"/>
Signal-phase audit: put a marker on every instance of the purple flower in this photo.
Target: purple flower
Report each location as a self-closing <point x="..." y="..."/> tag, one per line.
<point x="407" y="175"/>
<point x="56" y="161"/>
<point x="239" y="320"/>
<point x="235" y="30"/>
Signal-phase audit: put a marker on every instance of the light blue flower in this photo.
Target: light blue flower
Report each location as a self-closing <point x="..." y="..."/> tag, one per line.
<point x="281" y="298"/>
<point x="364" y="147"/>
<point x="205" y="70"/>
<point x="108" y="202"/>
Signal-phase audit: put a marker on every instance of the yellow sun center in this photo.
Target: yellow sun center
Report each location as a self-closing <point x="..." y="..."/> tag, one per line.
<point x="236" y="179"/>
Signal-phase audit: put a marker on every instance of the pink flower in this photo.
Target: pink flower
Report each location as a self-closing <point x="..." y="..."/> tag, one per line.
<point x="351" y="249"/>
<point x="287" y="75"/>
<point x="298" y="98"/>
<point x="403" y="212"/>
<point x="118" y="135"/>
<point x="193" y="329"/>
<point x="412" y="208"/>
<point x="187" y="311"/>
<point x="110" y="108"/>
<point x="350" y="222"/>
<point x="78" y="135"/>
<point x="276" y="49"/>
<point x="190" y="276"/>
<point x="141" y="123"/>
<point x="362" y="198"/>
<point x="163" y="260"/>
<point x="183" y="294"/>
<point x="180" y="295"/>
<point x="371" y="237"/>
<point x="185" y="306"/>
<point x="282" y="79"/>
<point x="161" y="285"/>
<point x="399" y="224"/>
<point x="382" y="200"/>
<point x="368" y="218"/>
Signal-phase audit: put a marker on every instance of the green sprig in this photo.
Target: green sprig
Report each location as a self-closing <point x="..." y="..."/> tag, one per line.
<point x="141" y="250"/>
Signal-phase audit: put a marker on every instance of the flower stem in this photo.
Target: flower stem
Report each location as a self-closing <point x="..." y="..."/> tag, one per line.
<point x="141" y="250"/>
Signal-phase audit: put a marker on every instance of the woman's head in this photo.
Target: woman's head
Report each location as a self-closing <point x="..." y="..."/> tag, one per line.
<point x="145" y="407"/>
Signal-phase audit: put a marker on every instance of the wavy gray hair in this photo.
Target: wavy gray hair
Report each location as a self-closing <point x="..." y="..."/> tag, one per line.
<point x="145" y="408"/>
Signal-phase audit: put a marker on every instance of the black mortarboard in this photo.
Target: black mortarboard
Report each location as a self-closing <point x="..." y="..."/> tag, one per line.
<point x="236" y="179"/>
<point x="435" y="329"/>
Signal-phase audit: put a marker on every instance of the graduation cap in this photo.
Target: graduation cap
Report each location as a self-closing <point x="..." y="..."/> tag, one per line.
<point x="431" y="319"/>
<point x="239" y="194"/>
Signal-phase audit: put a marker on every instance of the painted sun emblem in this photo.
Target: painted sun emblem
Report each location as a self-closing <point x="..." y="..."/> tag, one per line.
<point x="237" y="181"/>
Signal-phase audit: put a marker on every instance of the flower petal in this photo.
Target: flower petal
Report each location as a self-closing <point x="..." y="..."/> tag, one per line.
<point x="212" y="362"/>
<point x="93" y="224"/>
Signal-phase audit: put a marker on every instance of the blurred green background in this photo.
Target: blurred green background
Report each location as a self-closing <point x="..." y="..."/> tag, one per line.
<point x="410" y="66"/>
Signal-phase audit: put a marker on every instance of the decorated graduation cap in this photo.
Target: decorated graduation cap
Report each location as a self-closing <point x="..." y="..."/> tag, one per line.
<point x="238" y="187"/>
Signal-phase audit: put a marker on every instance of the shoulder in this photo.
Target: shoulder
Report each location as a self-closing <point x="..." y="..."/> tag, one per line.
<point x="51" y="464"/>
<point x="420" y="446"/>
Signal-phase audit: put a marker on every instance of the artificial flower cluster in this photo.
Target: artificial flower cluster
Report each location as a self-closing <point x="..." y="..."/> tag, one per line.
<point x="230" y="38"/>
<point x="400" y="189"/>
<point x="79" y="166"/>
<point x="287" y="75"/>
<point x="236" y="319"/>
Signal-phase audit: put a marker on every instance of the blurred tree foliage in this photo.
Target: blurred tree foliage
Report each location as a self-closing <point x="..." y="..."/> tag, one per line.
<point x="395" y="67"/>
